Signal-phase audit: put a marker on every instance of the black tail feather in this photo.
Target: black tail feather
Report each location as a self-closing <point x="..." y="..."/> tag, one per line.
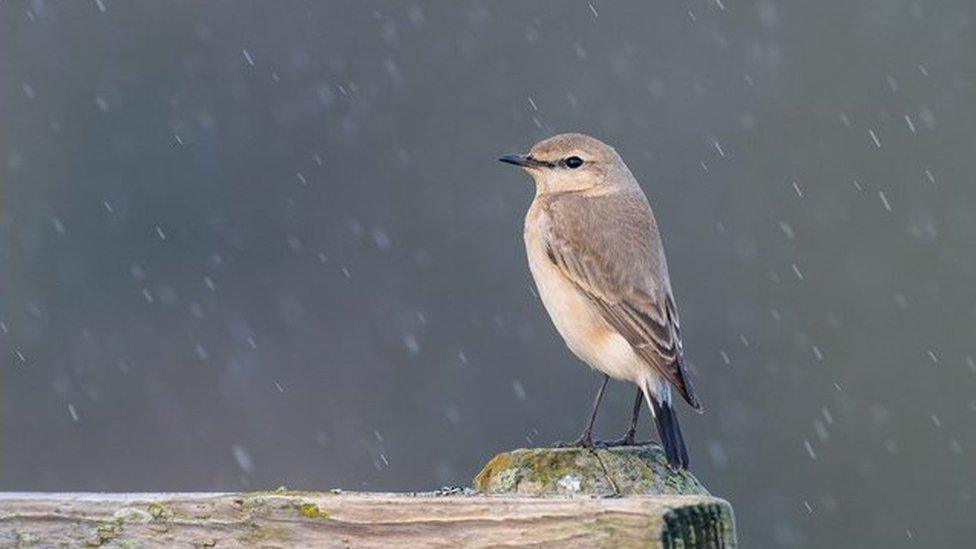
<point x="670" y="433"/>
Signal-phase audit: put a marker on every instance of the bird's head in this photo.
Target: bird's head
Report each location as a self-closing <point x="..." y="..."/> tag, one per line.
<point x="571" y="161"/>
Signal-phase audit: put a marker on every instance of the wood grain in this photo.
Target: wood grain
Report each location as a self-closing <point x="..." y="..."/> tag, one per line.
<point x="317" y="519"/>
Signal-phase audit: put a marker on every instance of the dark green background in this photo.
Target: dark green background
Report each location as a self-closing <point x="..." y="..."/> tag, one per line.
<point x="375" y="328"/>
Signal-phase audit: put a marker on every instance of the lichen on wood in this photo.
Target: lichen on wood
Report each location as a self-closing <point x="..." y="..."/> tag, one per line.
<point x="361" y="520"/>
<point x="533" y="497"/>
<point x="629" y="470"/>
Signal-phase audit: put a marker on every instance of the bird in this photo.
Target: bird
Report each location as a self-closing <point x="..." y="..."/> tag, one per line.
<point x="595" y="253"/>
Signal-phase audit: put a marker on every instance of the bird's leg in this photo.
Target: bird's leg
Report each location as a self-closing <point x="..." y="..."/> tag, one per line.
<point x="585" y="439"/>
<point x="630" y="438"/>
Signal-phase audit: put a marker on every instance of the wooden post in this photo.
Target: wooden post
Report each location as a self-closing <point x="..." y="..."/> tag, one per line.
<point x="565" y="497"/>
<point x="315" y="519"/>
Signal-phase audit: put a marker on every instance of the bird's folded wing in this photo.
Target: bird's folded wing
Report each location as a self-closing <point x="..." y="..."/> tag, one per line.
<point x="620" y="287"/>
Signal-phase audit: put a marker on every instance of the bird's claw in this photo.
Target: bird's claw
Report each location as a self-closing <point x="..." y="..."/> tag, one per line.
<point x="584" y="441"/>
<point x="630" y="439"/>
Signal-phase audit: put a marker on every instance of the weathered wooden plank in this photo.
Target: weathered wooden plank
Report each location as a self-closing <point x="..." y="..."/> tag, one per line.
<point x="307" y="519"/>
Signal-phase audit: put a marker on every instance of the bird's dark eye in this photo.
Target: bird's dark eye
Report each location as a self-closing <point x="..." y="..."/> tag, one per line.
<point x="574" y="162"/>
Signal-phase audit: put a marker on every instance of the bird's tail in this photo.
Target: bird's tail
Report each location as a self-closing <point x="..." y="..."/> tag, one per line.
<point x="668" y="430"/>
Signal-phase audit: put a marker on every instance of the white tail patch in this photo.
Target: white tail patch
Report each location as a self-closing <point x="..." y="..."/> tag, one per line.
<point x="658" y="389"/>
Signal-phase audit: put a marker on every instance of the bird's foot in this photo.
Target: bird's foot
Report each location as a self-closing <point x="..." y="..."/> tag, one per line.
<point x="585" y="440"/>
<point x="630" y="439"/>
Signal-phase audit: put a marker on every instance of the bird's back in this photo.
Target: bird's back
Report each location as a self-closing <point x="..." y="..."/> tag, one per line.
<point x="616" y="230"/>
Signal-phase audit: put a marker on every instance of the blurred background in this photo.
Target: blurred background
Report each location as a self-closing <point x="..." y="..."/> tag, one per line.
<point x="247" y="245"/>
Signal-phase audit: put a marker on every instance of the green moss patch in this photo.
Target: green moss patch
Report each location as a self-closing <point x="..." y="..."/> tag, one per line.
<point x="601" y="471"/>
<point x="312" y="511"/>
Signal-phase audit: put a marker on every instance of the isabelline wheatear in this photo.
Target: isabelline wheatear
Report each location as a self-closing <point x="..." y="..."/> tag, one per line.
<point x="596" y="256"/>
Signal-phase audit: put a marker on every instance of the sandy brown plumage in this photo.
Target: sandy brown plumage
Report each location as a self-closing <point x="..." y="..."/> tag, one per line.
<point x="609" y="247"/>
<point x="596" y="256"/>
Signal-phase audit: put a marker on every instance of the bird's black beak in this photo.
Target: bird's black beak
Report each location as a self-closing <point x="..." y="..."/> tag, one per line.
<point x="522" y="160"/>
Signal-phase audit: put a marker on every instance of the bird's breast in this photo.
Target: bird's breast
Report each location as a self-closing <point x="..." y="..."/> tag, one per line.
<point x="574" y="315"/>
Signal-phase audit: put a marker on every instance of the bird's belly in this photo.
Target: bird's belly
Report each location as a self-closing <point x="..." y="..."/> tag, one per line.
<point x="580" y="324"/>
